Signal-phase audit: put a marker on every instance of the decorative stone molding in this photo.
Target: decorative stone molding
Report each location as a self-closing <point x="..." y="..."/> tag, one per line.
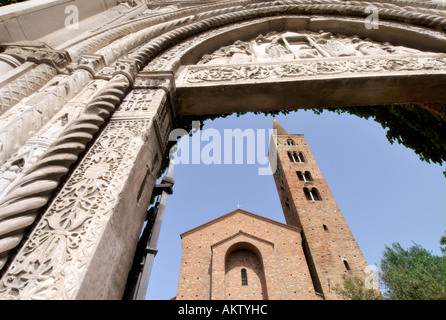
<point x="93" y="63"/>
<point x="20" y="207"/>
<point x="32" y="113"/>
<point x="127" y="68"/>
<point x="392" y="10"/>
<point x="52" y="262"/>
<point x="13" y="62"/>
<point x="164" y="80"/>
<point x="58" y="253"/>
<point x="49" y="63"/>
<point x="18" y="164"/>
<point x="31" y="81"/>
<point x="70" y="227"/>
<point x="38" y="53"/>
<point x="230" y="73"/>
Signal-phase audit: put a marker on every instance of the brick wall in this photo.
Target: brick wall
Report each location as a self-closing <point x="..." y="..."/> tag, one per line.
<point x="329" y="238"/>
<point x="214" y="254"/>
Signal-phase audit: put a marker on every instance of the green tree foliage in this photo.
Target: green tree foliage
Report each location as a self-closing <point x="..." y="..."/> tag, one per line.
<point x="418" y="127"/>
<point x="443" y="243"/>
<point x="406" y="274"/>
<point x="413" y="274"/>
<point x="354" y="288"/>
<point x="5" y="2"/>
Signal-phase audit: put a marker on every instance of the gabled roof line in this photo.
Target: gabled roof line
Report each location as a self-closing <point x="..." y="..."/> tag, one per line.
<point x="234" y="212"/>
<point x="241" y="232"/>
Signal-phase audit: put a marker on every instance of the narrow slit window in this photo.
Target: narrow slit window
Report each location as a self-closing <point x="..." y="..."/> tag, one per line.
<point x="287" y="203"/>
<point x="325" y="227"/>
<point x="244" y="277"/>
<point x="347" y="267"/>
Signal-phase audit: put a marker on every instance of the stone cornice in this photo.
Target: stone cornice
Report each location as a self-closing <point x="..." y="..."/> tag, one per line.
<point x="37" y="52"/>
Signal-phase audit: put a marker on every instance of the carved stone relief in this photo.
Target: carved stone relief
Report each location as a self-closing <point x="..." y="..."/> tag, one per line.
<point x="294" y="46"/>
<point x="196" y="74"/>
<point x="37" y="52"/>
<point x="291" y="54"/>
<point x="31" y="114"/>
<point x="30" y="152"/>
<point x="53" y="259"/>
<point x="31" y="81"/>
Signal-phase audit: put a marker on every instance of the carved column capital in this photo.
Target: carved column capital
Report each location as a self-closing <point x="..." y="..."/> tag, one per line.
<point x="127" y="68"/>
<point x="37" y="52"/>
<point x="159" y="80"/>
<point x="93" y="63"/>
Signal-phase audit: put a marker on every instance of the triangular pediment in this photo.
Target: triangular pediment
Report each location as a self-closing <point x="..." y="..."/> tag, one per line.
<point x="235" y="212"/>
<point x="241" y="233"/>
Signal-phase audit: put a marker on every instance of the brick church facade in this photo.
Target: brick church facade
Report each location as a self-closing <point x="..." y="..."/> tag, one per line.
<point x="243" y="256"/>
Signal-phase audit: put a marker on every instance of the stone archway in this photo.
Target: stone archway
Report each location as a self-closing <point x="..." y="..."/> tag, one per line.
<point x="84" y="179"/>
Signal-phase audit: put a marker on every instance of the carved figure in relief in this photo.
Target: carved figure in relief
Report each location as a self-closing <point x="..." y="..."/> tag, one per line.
<point x="239" y="52"/>
<point x="371" y="49"/>
<point x="292" y="46"/>
<point x="276" y="50"/>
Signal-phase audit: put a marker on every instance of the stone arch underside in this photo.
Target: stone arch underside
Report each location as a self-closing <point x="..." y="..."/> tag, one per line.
<point x="137" y="100"/>
<point x="340" y="81"/>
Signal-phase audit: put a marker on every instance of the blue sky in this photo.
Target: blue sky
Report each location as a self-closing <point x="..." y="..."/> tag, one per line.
<point x="384" y="191"/>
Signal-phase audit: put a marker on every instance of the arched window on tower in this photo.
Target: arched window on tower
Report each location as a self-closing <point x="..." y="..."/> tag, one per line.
<point x="316" y="194"/>
<point x="312" y="195"/>
<point x="244" y="277"/>
<point x="347" y="266"/>
<point x="290" y="142"/>
<point x="296" y="157"/>
<point x="287" y="204"/>
<point x="308" y="194"/>
<point x="304" y="176"/>
<point x="307" y="176"/>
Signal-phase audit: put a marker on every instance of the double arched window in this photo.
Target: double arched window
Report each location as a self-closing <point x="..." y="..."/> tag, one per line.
<point x="312" y="195"/>
<point x="304" y="176"/>
<point x="296" y="157"/>
<point x="290" y="142"/>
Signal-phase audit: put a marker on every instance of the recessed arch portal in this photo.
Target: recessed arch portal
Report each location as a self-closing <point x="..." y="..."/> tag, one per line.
<point x="244" y="273"/>
<point x="379" y="78"/>
<point x="154" y="53"/>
